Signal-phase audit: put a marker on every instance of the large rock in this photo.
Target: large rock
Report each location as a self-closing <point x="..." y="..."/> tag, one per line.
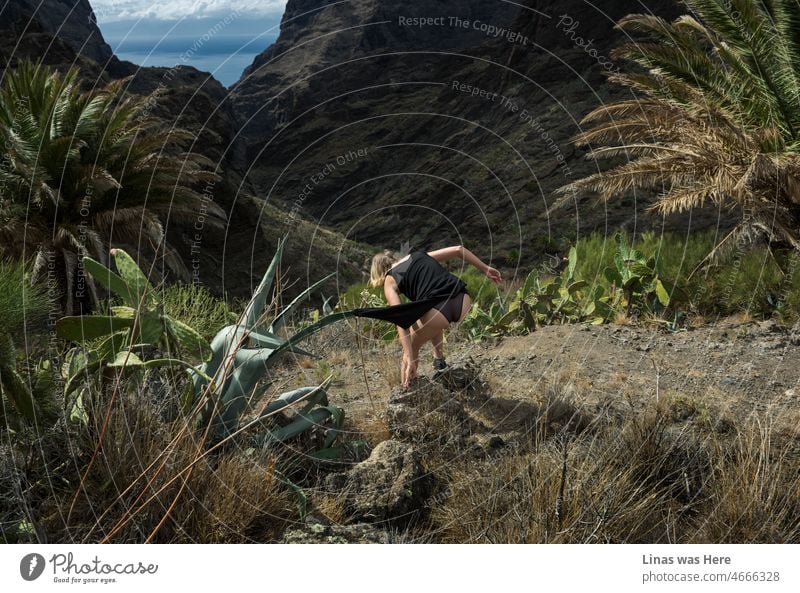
<point x="319" y="533"/>
<point x="391" y="485"/>
<point x="430" y="416"/>
<point x="465" y="380"/>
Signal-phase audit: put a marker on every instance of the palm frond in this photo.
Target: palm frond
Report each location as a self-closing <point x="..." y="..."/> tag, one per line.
<point x="718" y="119"/>
<point x="67" y="151"/>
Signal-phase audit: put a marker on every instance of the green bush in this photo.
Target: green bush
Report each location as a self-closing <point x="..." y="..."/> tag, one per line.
<point x="483" y="291"/>
<point x="27" y="389"/>
<point x="595" y="254"/>
<point x="676" y="257"/>
<point x="749" y="279"/>
<point x="354" y="297"/>
<point x="20" y="301"/>
<point x="364" y="295"/>
<point x="195" y="306"/>
<point x="752" y="282"/>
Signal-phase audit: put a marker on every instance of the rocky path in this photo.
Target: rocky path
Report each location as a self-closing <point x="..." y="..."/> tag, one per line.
<point x="739" y="366"/>
<point x="500" y="399"/>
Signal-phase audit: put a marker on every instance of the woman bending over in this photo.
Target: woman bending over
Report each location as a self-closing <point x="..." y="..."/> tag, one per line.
<point x="442" y="297"/>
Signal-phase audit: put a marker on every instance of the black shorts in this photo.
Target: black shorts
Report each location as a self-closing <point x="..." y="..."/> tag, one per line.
<point x="451" y="308"/>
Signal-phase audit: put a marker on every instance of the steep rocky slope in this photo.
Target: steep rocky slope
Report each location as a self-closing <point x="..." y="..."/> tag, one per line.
<point x="231" y="260"/>
<point x="451" y="127"/>
<point x="68" y="23"/>
<point x="386" y="121"/>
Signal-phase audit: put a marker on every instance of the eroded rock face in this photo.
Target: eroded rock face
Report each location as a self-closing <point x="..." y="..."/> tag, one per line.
<point x="71" y="21"/>
<point x="411" y="115"/>
<point x="391" y="485"/>
<point x="343" y="46"/>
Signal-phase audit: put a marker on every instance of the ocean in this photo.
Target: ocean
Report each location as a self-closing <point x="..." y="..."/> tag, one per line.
<point x="224" y="49"/>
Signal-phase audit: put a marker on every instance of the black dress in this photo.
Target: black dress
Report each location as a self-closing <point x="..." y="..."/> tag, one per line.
<point x="423" y="280"/>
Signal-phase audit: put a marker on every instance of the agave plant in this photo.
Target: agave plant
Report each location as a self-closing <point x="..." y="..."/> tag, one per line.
<point x="230" y="368"/>
<point x="242" y="354"/>
<point x="718" y="118"/>
<point x="81" y="170"/>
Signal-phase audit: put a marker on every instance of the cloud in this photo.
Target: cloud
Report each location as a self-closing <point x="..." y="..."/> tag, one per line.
<point x="117" y="10"/>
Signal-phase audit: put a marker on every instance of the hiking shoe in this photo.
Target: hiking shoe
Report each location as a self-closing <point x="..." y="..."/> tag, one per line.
<point x="439" y="364"/>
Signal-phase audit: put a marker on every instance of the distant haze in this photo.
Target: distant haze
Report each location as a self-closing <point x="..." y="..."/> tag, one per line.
<point x="122" y="10"/>
<point x="224" y="46"/>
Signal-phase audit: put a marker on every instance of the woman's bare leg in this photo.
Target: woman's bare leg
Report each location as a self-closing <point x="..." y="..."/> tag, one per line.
<point x="425" y="330"/>
<point x="438" y="350"/>
<point x="466" y="305"/>
<point x="405" y="374"/>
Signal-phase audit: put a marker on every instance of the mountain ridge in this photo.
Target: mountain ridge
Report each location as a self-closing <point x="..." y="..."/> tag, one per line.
<point x="460" y="115"/>
<point x="408" y="85"/>
<point x="230" y="262"/>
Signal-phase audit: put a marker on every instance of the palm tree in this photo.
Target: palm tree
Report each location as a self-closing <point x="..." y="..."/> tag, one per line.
<point x="81" y="171"/>
<point x="718" y="118"/>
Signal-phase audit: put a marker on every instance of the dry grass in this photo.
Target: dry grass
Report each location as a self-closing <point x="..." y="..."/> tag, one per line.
<point x="305" y="362"/>
<point x="788" y="426"/>
<point x="696" y="321"/>
<point x="332" y="508"/>
<point x="387" y="364"/>
<point x="617" y="380"/>
<point x="643" y="480"/>
<point x="738" y="318"/>
<point x="232" y="496"/>
<point x="661" y="471"/>
<point x="756" y="495"/>
<point x="342" y="357"/>
<point x="622" y="318"/>
<point x="371" y="426"/>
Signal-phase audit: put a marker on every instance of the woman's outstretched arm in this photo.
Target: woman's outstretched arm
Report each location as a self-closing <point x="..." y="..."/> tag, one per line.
<point x="459" y="251"/>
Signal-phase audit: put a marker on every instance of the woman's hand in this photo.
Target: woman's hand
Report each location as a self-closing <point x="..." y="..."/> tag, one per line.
<point x="408" y="370"/>
<point x="493" y="275"/>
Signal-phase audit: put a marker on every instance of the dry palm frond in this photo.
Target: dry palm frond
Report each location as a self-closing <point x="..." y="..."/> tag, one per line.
<point x="719" y="118"/>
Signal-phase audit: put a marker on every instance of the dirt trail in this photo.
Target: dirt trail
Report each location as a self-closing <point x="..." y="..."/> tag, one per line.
<point x="735" y="366"/>
<point x="490" y="433"/>
<point x="742" y="366"/>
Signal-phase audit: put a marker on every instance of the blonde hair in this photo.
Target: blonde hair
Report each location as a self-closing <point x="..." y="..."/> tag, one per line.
<point x="380" y="267"/>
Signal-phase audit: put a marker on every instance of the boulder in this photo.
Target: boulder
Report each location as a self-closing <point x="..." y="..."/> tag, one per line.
<point x="319" y="533"/>
<point x="429" y="414"/>
<point x="465" y="380"/>
<point x="391" y="485"/>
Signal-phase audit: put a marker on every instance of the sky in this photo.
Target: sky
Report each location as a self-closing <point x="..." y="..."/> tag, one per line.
<point x="218" y="36"/>
<point x="123" y="10"/>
